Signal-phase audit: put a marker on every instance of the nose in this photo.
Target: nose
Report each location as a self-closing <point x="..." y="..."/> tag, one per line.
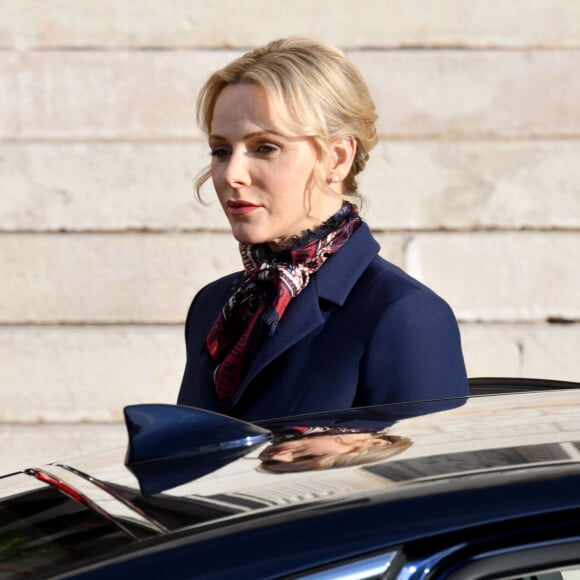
<point x="237" y="171"/>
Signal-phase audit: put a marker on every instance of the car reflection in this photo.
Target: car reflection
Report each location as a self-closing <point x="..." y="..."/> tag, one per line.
<point x="309" y="448"/>
<point x="170" y="445"/>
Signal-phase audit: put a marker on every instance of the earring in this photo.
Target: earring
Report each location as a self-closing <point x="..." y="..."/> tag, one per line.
<point x="335" y="179"/>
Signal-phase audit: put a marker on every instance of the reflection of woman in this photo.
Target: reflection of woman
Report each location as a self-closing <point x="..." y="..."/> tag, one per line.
<point x="323" y="451"/>
<point x="316" y="321"/>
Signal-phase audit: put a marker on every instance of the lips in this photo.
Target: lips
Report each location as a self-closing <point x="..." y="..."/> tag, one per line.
<point x="240" y="207"/>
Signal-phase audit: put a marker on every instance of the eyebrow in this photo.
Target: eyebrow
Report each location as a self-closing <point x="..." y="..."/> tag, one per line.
<point x="251" y="135"/>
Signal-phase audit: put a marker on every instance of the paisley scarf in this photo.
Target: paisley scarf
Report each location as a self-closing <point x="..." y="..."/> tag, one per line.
<point x="270" y="281"/>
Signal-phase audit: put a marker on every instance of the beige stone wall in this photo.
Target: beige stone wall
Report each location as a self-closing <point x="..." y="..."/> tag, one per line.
<point x="474" y="189"/>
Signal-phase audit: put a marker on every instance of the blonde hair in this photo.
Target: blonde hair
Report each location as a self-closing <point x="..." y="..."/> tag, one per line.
<point x="360" y="455"/>
<point x="313" y="88"/>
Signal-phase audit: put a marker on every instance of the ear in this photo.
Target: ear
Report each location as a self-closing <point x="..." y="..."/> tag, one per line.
<point x="341" y="157"/>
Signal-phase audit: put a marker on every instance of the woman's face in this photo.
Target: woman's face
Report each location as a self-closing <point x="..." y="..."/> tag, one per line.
<point x="262" y="172"/>
<point x="312" y="452"/>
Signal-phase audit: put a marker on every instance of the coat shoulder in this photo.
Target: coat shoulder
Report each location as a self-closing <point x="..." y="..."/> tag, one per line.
<point x="217" y="291"/>
<point x="208" y="302"/>
<point x="391" y="282"/>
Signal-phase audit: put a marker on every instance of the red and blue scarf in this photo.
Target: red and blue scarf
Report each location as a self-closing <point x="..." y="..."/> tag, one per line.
<point x="270" y="281"/>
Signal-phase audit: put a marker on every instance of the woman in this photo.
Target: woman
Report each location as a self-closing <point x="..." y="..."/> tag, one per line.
<point x="316" y="321"/>
<point x="320" y="448"/>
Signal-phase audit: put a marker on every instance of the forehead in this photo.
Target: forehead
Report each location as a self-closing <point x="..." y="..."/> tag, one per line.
<point x="249" y="105"/>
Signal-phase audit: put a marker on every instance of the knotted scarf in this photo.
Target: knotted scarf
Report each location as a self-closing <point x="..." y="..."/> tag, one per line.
<point x="270" y="281"/>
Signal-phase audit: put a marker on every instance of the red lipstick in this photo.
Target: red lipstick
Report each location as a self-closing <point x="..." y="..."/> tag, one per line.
<point x="240" y="207"/>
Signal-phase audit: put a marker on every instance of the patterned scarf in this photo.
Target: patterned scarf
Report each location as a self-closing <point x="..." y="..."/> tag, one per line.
<point x="269" y="283"/>
<point x="302" y="431"/>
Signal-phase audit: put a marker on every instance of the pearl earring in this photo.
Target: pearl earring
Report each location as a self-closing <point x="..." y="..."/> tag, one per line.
<point x="335" y="179"/>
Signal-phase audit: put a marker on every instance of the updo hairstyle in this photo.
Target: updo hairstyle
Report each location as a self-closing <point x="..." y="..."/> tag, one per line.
<point x="314" y="89"/>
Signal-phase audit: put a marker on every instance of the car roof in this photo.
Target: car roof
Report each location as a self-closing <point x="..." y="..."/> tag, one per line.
<point x="483" y="440"/>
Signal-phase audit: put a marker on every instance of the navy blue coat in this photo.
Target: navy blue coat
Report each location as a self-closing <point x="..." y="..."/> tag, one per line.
<point x="361" y="333"/>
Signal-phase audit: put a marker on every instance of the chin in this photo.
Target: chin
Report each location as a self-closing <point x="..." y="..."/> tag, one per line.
<point x="245" y="238"/>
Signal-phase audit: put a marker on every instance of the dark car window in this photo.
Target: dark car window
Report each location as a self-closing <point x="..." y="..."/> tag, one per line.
<point x="44" y="530"/>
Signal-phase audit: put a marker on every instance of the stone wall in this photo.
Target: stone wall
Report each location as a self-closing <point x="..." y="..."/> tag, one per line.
<point x="474" y="188"/>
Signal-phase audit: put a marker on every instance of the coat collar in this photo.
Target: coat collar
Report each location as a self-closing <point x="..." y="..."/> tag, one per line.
<point x="341" y="272"/>
<point x="333" y="282"/>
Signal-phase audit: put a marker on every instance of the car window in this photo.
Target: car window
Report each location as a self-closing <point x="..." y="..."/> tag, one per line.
<point x="44" y="530"/>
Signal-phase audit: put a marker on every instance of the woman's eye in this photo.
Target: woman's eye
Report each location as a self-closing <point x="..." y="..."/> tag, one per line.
<point x="220" y="152"/>
<point x="266" y="149"/>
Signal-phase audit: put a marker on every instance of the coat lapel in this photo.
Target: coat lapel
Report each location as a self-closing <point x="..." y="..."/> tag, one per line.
<point x="300" y="319"/>
<point x="333" y="282"/>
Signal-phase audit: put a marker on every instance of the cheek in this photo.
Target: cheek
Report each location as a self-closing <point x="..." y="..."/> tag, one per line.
<point x="307" y="161"/>
<point x="218" y="184"/>
<point x="216" y="174"/>
<point x="300" y="168"/>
